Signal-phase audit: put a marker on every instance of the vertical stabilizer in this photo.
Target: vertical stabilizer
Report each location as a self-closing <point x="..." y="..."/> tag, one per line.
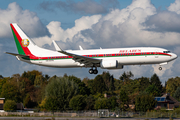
<point x="23" y="43"/>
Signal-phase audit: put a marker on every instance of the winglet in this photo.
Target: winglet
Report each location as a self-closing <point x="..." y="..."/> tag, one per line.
<point x="56" y="46"/>
<point x="80" y="47"/>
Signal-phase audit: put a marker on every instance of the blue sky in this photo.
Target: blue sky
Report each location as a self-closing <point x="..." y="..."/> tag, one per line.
<point x="92" y="24"/>
<point x="68" y="19"/>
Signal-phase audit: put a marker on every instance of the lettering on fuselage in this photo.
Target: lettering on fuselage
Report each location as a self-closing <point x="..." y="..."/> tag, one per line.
<point x="130" y="51"/>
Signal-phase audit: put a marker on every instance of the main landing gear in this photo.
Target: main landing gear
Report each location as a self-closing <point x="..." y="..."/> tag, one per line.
<point x="93" y="71"/>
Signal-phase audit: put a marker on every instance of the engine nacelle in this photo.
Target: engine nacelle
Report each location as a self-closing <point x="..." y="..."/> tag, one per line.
<point x="110" y="64"/>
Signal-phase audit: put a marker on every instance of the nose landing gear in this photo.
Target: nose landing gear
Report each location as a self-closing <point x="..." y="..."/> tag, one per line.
<point x="160" y="68"/>
<point x="93" y="71"/>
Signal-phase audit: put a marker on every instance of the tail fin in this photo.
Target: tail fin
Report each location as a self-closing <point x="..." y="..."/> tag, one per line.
<point x="23" y="43"/>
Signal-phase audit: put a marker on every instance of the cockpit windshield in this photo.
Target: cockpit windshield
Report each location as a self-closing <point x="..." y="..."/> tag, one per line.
<point x="166" y="51"/>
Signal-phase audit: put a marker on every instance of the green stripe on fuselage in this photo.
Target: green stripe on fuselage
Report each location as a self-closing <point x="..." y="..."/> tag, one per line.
<point x="95" y="57"/>
<point x="19" y="48"/>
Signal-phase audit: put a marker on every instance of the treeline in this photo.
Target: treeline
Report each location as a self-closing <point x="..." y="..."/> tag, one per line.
<point x="36" y="90"/>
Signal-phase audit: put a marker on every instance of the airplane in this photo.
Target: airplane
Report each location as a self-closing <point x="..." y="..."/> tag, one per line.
<point x="115" y="58"/>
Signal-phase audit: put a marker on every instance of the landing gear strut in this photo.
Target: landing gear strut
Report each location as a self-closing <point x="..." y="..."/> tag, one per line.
<point x="93" y="71"/>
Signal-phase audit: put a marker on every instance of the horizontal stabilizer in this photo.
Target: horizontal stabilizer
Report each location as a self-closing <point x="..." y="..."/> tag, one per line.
<point x="14" y="54"/>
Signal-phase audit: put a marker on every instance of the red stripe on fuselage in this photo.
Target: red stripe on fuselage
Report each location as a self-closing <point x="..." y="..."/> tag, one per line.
<point x="106" y="55"/>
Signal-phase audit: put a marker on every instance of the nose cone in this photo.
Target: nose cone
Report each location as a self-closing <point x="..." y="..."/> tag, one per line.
<point x="174" y="56"/>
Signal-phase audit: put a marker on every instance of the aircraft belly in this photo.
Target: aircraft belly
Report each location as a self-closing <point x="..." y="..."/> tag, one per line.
<point x="57" y="63"/>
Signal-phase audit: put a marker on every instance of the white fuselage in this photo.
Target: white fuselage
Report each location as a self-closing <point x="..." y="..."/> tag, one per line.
<point x="124" y="56"/>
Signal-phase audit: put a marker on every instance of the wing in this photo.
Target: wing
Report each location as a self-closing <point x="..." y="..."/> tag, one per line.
<point x="78" y="58"/>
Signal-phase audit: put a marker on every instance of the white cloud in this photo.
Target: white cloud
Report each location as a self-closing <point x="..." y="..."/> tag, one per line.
<point x="26" y="19"/>
<point x="70" y="34"/>
<point x="175" y="7"/>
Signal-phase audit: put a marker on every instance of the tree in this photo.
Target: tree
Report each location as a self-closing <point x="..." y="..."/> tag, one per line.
<point x="85" y="81"/>
<point x="172" y="84"/>
<point x="144" y="102"/>
<point x="77" y="102"/>
<point x="99" y="84"/>
<point x="101" y="103"/>
<point x="11" y="92"/>
<point x="28" y="103"/>
<point x="58" y="93"/>
<point x="111" y="87"/>
<point x="90" y="101"/>
<point x="1" y="77"/>
<point x="10" y="105"/>
<point x="177" y="94"/>
<point x="123" y="99"/>
<point x="31" y="75"/>
<point x="156" y="81"/>
<point x="82" y="88"/>
<point x="126" y="76"/>
<point x="91" y="86"/>
<point x="106" y="77"/>
<point x="112" y="102"/>
<point x="39" y="79"/>
<point x="153" y="90"/>
<point x="2" y="82"/>
<point x="144" y="83"/>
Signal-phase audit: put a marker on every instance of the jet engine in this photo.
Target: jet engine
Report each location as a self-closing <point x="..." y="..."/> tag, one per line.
<point x="110" y="64"/>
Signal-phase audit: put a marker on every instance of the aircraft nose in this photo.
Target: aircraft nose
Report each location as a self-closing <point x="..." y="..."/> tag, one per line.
<point x="174" y="56"/>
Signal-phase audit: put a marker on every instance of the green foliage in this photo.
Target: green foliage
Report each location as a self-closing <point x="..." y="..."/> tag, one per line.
<point x="177" y="94"/>
<point x="153" y="90"/>
<point x="118" y="84"/>
<point x="126" y="76"/>
<point x="38" y="80"/>
<point x="82" y="88"/>
<point x="53" y="104"/>
<point x="10" y="91"/>
<point x="31" y="75"/>
<point x="144" y="102"/>
<point x="2" y="81"/>
<point x="59" y="91"/>
<point x="111" y="87"/>
<point x="90" y="101"/>
<point x="106" y="77"/>
<point x="33" y="88"/>
<point x="77" y="102"/>
<point x="156" y="81"/>
<point x="101" y="103"/>
<point x="112" y="102"/>
<point x="172" y="84"/>
<point x="106" y="103"/>
<point x="143" y="83"/>
<point x="99" y="85"/>
<point x="10" y="105"/>
<point x="1" y="77"/>
<point x="123" y="99"/>
<point x="28" y="103"/>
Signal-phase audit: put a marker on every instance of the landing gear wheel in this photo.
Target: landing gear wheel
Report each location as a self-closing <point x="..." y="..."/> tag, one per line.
<point x="91" y="71"/>
<point x="160" y="68"/>
<point x="95" y="71"/>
